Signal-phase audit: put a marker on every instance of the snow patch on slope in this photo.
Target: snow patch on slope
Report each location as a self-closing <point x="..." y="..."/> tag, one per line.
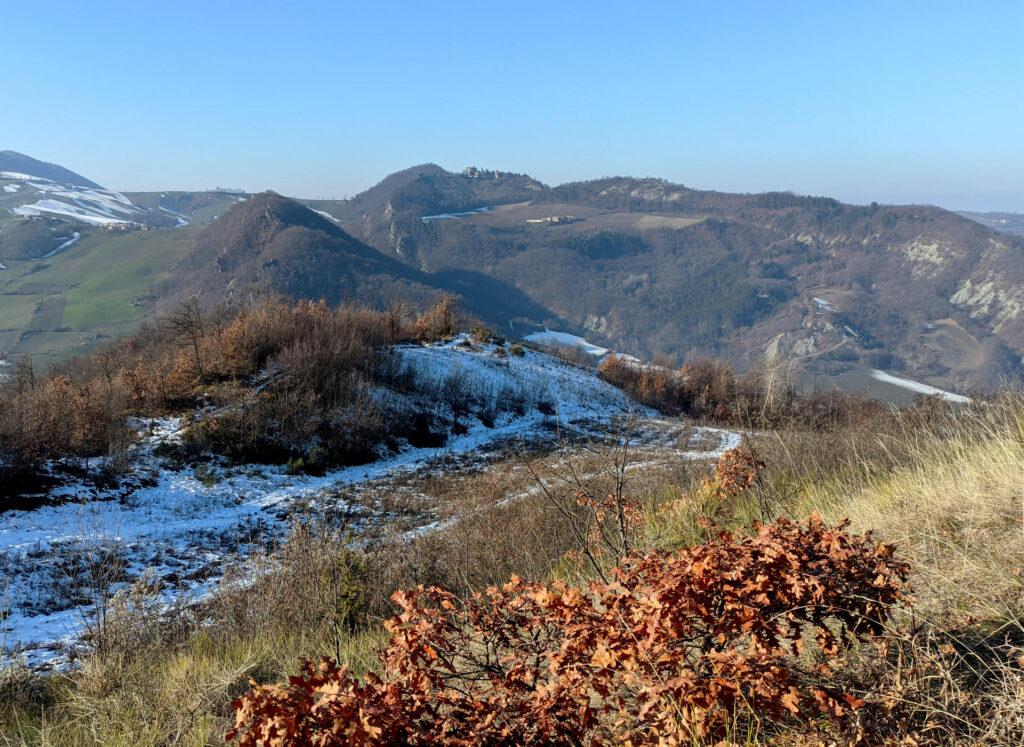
<point x="564" y="339"/>
<point x="74" y="237"/>
<point x="182" y="220"/>
<point x="454" y="216"/>
<point x="326" y="215"/>
<point x="917" y="386"/>
<point x="96" y="207"/>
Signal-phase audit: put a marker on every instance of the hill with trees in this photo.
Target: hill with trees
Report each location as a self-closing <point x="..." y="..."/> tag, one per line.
<point x="269" y="245"/>
<point x="650" y="267"/>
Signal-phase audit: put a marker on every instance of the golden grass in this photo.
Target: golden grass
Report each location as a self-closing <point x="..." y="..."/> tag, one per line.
<point x="955" y="509"/>
<point x="948" y="492"/>
<point x="179" y="697"/>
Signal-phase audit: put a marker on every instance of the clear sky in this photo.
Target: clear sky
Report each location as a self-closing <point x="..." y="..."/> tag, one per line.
<point x="890" y="101"/>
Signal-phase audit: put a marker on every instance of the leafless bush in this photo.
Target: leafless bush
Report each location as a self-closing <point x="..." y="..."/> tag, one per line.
<point x="441" y="320"/>
<point x="710" y="389"/>
<point x="61" y="416"/>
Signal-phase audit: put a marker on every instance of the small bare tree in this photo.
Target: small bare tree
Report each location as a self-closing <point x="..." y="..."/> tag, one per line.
<point x="92" y="568"/>
<point x="187" y="324"/>
<point x="598" y="503"/>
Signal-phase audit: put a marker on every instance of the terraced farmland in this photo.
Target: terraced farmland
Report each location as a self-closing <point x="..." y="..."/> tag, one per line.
<point x="48" y="316"/>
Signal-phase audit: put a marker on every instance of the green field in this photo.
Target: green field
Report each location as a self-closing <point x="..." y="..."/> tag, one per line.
<point x="105" y="281"/>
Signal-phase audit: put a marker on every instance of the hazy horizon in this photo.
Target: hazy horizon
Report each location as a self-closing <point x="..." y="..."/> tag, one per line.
<point x="917" y="103"/>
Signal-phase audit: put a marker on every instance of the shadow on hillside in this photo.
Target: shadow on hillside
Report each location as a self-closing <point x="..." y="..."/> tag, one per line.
<point x="494" y="300"/>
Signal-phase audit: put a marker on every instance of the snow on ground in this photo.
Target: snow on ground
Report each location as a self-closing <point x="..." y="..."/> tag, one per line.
<point x="549" y="337"/>
<point x="182" y="220"/>
<point x="917" y="386"/>
<point x="564" y="339"/>
<point x="323" y="214"/>
<point x="183" y="523"/>
<point x="16" y="175"/>
<point x="64" y="210"/>
<point x="823" y="305"/>
<point x="74" y="237"/>
<point x="573" y="393"/>
<point x="11" y="188"/>
<point x="454" y="216"/>
<point x="187" y="524"/>
<point x="89" y="205"/>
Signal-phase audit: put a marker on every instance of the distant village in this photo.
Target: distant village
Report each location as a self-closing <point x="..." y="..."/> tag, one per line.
<point x="126" y="226"/>
<point x="554" y="220"/>
<point x="475" y="173"/>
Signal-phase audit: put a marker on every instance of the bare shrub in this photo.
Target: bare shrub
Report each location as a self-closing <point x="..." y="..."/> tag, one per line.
<point x="710" y="389"/>
<point x="441" y="320"/>
<point x="292" y="382"/>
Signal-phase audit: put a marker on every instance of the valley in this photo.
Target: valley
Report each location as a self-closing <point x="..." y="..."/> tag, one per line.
<point x="104" y="283"/>
<point x="643" y="268"/>
<point x="678" y="403"/>
<point x="652" y="268"/>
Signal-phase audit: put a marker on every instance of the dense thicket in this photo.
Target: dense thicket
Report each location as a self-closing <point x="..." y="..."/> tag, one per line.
<point x="711" y="389"/>
<point x="276" y="382"/>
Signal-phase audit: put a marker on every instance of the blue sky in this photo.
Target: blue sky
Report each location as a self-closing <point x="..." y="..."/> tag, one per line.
<point x="895" y="102"/>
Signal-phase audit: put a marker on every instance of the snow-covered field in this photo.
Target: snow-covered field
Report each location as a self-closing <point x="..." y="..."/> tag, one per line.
<point x="88" y="205"/>
<point x="917" y="386"/>
<point x="552" y="338"/>
<point x="188" y="524"/>
<point x="454" y="216"/>
<point x="92" y="206"/>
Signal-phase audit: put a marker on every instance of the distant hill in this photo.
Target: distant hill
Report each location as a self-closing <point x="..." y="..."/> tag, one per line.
<point x="44" y="207"/>
<point x="270" y="245"/>
<point x="641" y="266"/>
<point x="22" y="164"/>
<point x="647" y="266"/>
<point x="1005" y="222"/>
<point x="425" y="190"/>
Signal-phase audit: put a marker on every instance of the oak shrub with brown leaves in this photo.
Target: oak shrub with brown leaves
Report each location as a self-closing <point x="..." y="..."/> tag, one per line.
<point x="674" y="648"/>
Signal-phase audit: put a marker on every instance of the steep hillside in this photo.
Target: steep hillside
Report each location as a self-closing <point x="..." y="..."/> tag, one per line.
<point x="22" y="164"/>
<point x="45" y="208"/>
<point x="648" y="267"/>
<point x="270" y="245"/>
<point x="425" y="190"/>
